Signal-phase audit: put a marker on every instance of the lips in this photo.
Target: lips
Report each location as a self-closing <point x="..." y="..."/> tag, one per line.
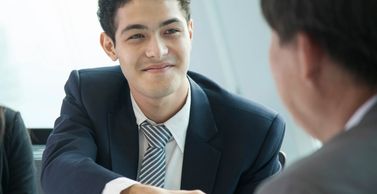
<point x="157" y="67"/>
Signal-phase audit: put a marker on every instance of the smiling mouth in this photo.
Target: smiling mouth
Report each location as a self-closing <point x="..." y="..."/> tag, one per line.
<point x="157" y="68"/>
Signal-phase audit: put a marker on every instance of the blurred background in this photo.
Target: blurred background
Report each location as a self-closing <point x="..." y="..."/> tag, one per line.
<point x="42" y="41"/>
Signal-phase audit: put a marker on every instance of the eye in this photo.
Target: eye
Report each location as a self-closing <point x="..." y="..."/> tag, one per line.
<point x="171" y="31"/>
<point x="136" y="37"/>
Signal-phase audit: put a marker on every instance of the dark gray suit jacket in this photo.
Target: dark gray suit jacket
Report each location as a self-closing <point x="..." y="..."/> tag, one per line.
<point x="17" y="172"/>
<point x="345" y="165"/>
<point x="231" y="143"/>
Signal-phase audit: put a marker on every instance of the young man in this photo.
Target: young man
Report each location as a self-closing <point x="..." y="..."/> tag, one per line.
<point x="149" y="120"/>
<point x="323" y="58"/>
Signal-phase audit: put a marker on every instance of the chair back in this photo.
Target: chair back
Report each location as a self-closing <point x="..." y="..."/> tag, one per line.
<point x="282" y="158"/>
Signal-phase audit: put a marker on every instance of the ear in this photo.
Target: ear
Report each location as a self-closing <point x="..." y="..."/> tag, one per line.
<point x="190" y="26"/>
<point x="310" y="56"/>
<point x="108" y="46"/>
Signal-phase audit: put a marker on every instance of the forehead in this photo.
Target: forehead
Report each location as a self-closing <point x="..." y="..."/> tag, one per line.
<point x="148" y="12"/>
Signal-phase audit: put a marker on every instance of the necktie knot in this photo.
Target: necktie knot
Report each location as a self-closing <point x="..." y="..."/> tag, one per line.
<point x="157" y="135"/>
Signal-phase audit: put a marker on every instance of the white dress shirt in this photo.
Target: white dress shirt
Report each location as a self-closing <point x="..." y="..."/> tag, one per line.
<point x="177" y="125"/>
<point x="360" y="113"/>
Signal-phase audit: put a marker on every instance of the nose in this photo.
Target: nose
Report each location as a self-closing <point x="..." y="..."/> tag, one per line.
<point x="156" y="48"/>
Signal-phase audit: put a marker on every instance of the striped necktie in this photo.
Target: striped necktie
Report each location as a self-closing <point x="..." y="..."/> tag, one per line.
<point x="153" y="166"/>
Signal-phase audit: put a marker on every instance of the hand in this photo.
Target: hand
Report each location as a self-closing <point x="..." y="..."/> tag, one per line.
<point x="146" y="189"/>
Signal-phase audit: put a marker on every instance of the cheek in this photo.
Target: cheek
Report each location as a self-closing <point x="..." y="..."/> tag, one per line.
<point x="182" y="44"/>
<point x="273" y="55"/>
<point x="280" y="73"/>
<point x="128" y="58"/>
<point x="181" y="52"/>
<point x="279" y="79"/>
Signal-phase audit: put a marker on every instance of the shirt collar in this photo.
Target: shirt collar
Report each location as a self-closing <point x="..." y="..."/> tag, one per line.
<point x="360" y="113"/>
<point x="177" y="124"/>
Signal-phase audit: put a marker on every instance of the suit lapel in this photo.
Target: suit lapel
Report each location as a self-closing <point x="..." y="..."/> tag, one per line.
<point x="124" y="138"/>
<point x="201" y="159"/>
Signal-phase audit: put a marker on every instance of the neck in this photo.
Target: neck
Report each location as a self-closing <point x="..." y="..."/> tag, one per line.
<point x="340" y="106"/>
<point x="162" y="109"/>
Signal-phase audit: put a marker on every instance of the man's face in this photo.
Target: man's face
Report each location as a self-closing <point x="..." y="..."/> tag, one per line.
<point x="153" y="45"/>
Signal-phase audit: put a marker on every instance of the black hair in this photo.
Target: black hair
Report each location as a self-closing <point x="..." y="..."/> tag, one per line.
<point x="345" y="29"/>
<point x="107" y="10"/>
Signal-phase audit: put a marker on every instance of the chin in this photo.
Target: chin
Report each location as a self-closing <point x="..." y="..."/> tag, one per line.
<point x="162" y="87"/>
<point x="159" y="91"/>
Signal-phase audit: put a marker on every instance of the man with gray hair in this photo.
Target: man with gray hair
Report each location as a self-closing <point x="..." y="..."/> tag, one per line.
<point x="323" y="57"/>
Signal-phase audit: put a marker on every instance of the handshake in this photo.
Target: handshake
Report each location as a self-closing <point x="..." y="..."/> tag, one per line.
<point x="146" y="189"/>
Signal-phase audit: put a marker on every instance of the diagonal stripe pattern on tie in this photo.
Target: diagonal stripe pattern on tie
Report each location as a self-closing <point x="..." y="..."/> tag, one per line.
<point x="153" y="166"/>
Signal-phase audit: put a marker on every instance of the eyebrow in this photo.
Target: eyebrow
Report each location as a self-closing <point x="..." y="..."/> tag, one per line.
<point x="143" y="27"/>
<point x="170" y="21"/>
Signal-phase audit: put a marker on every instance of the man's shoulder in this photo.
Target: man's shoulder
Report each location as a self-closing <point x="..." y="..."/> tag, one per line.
<point x="115" y="68"/>
<point x="11" y="118"/>
<point x="303" y="176"/>
<point x="222" y="100"/>
<point x="95" y="86"/>
<point x="288" y="183"/>
<point x="99" y="72"/>
<point x="14" y="126"/>
<point x="328" y="170"/>
<point x="98" y="78"/>
<point x="9" y="113"/>
<point x="356" y="146"/>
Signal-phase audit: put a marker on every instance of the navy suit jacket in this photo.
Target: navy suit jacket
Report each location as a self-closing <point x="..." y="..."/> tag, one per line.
<point x="232" y="144"/>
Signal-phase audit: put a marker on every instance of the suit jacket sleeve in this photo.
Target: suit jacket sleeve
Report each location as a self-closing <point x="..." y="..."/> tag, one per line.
<point x="19" y="156"/>
<point x="267" y="163"/>
<point x="68" y="164"/>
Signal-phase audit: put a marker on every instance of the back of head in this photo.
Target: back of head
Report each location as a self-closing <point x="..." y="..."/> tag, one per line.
<point x="345" y="29"/>
<point x="107" y="10"/>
